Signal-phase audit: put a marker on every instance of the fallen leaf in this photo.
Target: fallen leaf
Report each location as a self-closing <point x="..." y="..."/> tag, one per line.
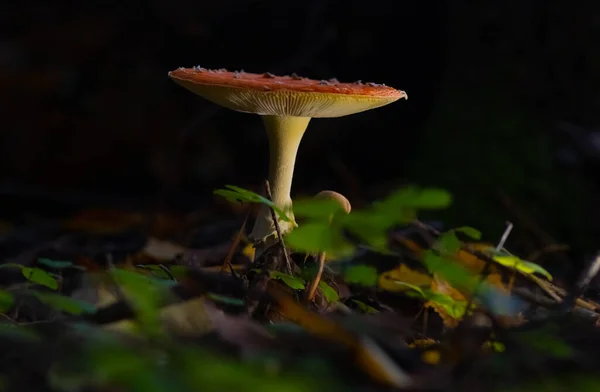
<point x="249" y="251"/>
<point x="422" y="343"/>
<point x="451" y="311"/>
<point x="400" y="278"/>
<point x="431" y="357"/>
<point x="368" y="355"/>
<point x="160" y="250"/>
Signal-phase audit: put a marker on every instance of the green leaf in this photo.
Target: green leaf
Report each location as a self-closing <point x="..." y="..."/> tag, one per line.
<point x="138" y="282"/>
<point x="179" y="271"/>
<point x="469" y="231"/>
<point x="455" y="274"/>
<point x="120" y="365"/>
<point x="145" y="294"/>
<point x="364" y="307"/>
<point x="370" y="226"/>
<point x="546" y="339"/>
<point x="65" y="304"/>
<point x="455" y="308"/>
<point x="524" y="266"/>
<point x="291" y="281"/>
<point x="57" y="264"/>
<point x="494" y="346"/>
<point x="431" y="198"/>
<point x="18" y="332"/>
<point x="34" y="275"/>
<point x="313" y="237"/>
<point x="226" y="300"/>
<point x="417" y="291"/>
<point x="417" y="198"/>
<point x="236" y="194"/>
<point x="448" y="243"/>
<point x="157" y="272"/>
<point x="364" y="275"/>
<point x="6" y="301"/>
<point x="39" y="276"/>
<point x="329" y="292"/>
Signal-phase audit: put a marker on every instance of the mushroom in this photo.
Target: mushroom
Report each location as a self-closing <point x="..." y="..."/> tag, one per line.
<point x="346" y="207"/>
<point x="286" y="104"/>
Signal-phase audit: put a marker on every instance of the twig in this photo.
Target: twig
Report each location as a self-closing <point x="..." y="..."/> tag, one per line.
<point x="234" y="244"/>
<point x="311" y="290"/>
<point x="500" y="246"/>
<point x="286" y="256"/>
<point x="554" y="292"/>
<point x="509" y="227"/>
<point x="574" y="298"/>
<point x="547" y="249"/>
<point x="534" y="298"/>
<point x="545" y="286"/>
<point x="589" y="273"/>
<point x="167" y="271"/>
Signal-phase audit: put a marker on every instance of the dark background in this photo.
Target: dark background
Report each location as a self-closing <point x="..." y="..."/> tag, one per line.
<point x="502" y="110"/>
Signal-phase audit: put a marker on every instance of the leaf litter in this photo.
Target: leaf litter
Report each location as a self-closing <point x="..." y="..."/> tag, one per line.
<point x="400" y="305"/>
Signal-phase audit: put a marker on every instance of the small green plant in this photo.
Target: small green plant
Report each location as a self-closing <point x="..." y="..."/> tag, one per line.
<point x="299" y="283"/>
<point x="35" y="275"/>
<point x="453" y="307"/>
<point x="236" y="194"/>
<point x="317" y="232"/>
<point x="370" y="226"/>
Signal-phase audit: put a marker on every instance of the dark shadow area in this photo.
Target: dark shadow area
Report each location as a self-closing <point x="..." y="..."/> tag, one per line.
<point x="502" y="109"/>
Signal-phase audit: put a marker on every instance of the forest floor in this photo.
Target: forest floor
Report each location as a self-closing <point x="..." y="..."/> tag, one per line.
<point x="102" y="299"/>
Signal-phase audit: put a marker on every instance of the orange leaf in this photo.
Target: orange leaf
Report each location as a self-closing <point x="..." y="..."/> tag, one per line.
<point x="443" y="287"/>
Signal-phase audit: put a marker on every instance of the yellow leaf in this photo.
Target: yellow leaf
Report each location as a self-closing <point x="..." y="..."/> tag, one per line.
<point x="392" y="280"/>
<point x="249" y="251"/>
<point x="422" y="343"/>
<point x="431" y="357"/>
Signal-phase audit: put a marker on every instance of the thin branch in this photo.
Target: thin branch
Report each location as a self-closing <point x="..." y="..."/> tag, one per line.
<point x="509" y="227"/>
<point x="588" y="274"/>
<point x="547" y="249"/>
<point x="288" y="263"/>
<point x="311" y="290"/>
<point x="234" y="244"/>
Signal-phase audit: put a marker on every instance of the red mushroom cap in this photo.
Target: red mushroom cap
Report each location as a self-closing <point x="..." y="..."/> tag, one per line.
<point x="268" y="94"/>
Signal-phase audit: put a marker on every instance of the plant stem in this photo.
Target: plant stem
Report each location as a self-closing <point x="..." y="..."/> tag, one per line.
<point x="311" y="290"/>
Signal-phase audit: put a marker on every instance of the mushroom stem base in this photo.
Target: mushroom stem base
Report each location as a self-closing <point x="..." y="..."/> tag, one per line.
<point x="285" y="134"/>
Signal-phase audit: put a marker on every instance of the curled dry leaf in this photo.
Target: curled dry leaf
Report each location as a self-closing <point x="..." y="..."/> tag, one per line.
<point x="450" y="311"/>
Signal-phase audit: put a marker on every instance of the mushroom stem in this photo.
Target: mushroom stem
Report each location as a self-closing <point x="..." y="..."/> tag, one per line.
<point x="285" y="134"/>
